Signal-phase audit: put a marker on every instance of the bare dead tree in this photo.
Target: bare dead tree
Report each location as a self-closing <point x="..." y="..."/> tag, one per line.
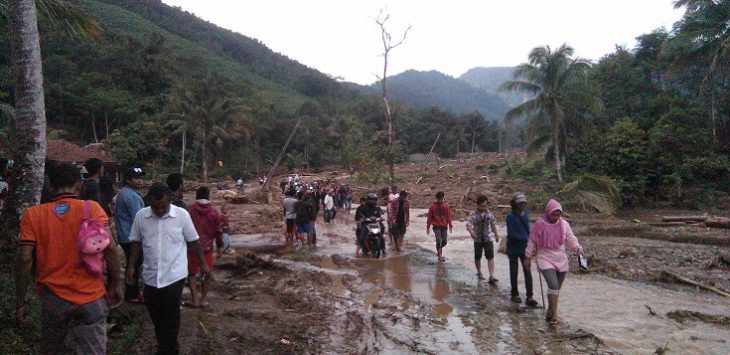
<point x="388" y="45"/>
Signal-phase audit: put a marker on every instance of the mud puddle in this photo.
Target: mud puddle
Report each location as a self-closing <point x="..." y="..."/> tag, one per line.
<point x="614" y="310"/>
<point x="407" y="302"/>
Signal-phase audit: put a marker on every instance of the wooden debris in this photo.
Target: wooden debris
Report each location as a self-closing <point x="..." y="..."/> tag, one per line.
<point x="672" y="276"/>
<point x="504" y="206"/>
<point x="635" y="221"/>
<point x="675" y="224"/>
<point x="419" y="179"/>
<point x="651" y="311"/>
<point x="701" y="218"/>
<point x="718" y="222"/>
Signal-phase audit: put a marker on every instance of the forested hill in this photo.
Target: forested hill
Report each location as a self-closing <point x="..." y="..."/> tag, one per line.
<point x="489" y="80"/>
<point x="425" y="89"/>
<point x="251" y="53"/>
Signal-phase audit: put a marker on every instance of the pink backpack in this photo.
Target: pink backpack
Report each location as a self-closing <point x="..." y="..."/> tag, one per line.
<point x="92" y="240"/>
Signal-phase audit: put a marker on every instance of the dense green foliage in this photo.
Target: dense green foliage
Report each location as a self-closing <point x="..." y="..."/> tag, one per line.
<point x="664" y="127"/>
<point x="653" y="118"/>
<point x="149" y="79"/>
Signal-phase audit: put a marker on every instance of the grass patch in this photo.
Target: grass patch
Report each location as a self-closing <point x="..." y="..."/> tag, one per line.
<point x="122" y="344"/>
<point x="13" y="339"/>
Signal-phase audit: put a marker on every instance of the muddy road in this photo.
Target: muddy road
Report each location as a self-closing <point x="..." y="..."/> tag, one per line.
<point x="324" y="300"/>
<point x="268" y="299"/>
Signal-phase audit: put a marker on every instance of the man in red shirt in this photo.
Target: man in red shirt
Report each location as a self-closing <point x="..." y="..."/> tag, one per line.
<point x="439" y="216"/>
<point x="72" y="299"/>
<point x="209" y="225"/>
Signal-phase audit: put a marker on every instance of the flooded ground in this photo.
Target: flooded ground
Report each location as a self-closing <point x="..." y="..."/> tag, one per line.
<point x="268" y="299"/>
<point x="409" y="302"/>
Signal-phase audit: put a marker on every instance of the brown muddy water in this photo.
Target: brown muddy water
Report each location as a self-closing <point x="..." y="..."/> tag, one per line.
<point x="408" y="302"/>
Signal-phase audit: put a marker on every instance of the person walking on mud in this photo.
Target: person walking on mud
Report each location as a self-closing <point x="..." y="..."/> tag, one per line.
<point x="305" y="215"/>
<point x="439" y="216"/>
<point x="518" y="232"/>
<point x="164" y="233"/>
<point x="74" y="302"/>
<point x="128" y="202"/>
<point x="329" y="207"/>
<point x="478" y="225"/>
<point x="290" y="215"/>
<point x="175" y="182"/>
<point x="547" y="240"/>
<point x="399" y="218"/>
<point x="209" y="226"/>
<point x="392" y="196"/>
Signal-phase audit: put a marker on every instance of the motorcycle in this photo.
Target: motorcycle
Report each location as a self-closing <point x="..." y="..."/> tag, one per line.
<point x="373" y="238"/>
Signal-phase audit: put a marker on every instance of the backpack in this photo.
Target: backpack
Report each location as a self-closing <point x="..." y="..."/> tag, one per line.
<point x="92" y="240"/>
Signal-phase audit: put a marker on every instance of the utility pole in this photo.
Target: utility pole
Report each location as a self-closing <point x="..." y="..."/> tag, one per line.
<point x="425" y="163"/>
<point x="278" y="159"/>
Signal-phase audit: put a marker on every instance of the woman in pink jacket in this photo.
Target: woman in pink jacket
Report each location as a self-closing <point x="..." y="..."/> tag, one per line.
<point x="547" y="240"/>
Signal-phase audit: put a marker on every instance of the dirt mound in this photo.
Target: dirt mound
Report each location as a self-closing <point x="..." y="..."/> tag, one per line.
<point x="250" y="262"/>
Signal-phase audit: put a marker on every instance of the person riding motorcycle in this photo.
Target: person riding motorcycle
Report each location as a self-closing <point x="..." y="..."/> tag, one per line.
<point x="369" y="210"/>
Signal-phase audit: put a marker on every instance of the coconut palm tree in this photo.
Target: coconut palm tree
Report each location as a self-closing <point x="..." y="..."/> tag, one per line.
<point x="30" y="116"/>
<point x="209" y="116"/>
<point x="547" y="74"/>
<point x="704" y="31"/>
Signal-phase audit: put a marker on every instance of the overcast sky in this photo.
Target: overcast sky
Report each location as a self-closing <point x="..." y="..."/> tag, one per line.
<point x="340" y="37"/>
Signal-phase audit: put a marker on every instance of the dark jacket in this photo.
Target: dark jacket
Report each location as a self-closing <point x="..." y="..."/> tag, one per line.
<point x="177" y="201"/>
<point x="518" y="232"/>
<point x="367" y="211"/>
<point x="305" y="212"/>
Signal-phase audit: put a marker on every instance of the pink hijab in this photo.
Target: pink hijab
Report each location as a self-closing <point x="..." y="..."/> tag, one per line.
<point x="546" y="234"/>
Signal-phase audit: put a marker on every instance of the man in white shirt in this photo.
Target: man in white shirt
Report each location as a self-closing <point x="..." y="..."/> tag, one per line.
<point x="164" y="232"/>
<point x="329" y="207"/>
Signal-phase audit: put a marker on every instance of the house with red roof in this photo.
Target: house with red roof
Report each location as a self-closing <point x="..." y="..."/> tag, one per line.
<point x="62" y="151"/>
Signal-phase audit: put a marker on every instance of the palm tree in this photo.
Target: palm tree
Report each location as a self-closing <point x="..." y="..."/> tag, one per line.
<point x="209" y="116"/>
<point x="705" y="31"/>
<point x="547" y="75"/>
<point x="30" y="116"/>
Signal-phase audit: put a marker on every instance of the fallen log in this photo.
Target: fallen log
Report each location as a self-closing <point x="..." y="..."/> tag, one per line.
<point x="700" y="218"/>
<point x="684" y="280"/>
<point x="674" y="224"/>
<point x="723" y="223"/>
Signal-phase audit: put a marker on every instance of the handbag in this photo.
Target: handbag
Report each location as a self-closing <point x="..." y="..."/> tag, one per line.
<point x="502" y="247"/>
<point x="582" y="262"/>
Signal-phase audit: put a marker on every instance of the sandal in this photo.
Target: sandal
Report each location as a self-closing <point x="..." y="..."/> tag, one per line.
<point x="492" y="281"/>
<point x="531" y="303"/>
<point x="189" y="304"/>
<point x="516" y="299"/>
<point x="480" y="276"/>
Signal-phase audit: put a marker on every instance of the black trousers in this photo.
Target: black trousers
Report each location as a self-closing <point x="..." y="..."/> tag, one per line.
<point x="514" y="263"/>
<point x="163" y="304"/>
<point x="132" y="291"/>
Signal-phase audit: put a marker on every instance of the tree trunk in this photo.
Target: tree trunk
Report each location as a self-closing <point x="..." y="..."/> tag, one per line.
<point x="29" y="100"/>
<point x="556" y="155"/>
<point x="204" y="155"/>
<point x="473" y="138"/>
<point x="93" y="129"/>
<point x="182" y="158"/>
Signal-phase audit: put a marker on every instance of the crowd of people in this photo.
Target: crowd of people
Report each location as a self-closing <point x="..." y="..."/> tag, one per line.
<point x="167" y="244"/>
<point x="545" y="241"/>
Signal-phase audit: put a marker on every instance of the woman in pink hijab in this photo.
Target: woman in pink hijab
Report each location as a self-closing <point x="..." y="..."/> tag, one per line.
<point x="547" y="239"/>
